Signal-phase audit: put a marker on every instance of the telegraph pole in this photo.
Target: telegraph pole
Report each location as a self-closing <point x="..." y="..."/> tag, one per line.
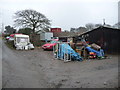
<point x="2" y="29"/>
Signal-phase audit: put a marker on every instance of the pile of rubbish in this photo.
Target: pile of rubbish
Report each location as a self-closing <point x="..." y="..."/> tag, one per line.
<point x="28" y="46"/>
<point x="91" y="51"/>
<point x="64" y="52"/>
<point x="80" y="51"/>
<point x="97" y="53"/>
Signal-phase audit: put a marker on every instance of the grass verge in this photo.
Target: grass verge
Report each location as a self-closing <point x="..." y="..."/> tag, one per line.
<point x="10" y="44"/>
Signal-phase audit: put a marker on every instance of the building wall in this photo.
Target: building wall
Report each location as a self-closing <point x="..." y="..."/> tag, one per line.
<point x="108" y="39"/>
<point x="55" y="29"/>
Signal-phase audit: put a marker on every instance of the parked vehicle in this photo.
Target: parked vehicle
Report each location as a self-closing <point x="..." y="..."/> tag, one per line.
<point x="11" y="39"/>
<point x="49" y="46"/>
<point x="12" y="35"/>
<point x="8" y="37"/>
<point x="22" y="42"/>
<point x="46" y="36"/>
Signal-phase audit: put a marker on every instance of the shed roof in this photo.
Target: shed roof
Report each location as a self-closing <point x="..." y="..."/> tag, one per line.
<point x="65" y="34"/>
<point x="101" y="27"/>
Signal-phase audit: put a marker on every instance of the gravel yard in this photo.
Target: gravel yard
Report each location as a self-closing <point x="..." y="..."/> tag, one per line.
<point x="38" y="69"/>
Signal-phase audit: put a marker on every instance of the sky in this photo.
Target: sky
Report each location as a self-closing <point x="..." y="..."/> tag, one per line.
<point x="65" y="14"/>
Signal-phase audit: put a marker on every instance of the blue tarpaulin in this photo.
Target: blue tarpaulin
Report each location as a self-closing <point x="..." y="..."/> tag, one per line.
<point x="98" y="53"/>
<point x="66" y="49"/>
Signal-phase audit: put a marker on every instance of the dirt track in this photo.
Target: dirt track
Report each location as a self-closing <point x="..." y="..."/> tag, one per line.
<point x="0" y="63"/>
<point x="38" y="69"/>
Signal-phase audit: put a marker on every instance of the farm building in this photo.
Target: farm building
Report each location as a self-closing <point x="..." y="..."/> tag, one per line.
<point x="63" y="36"/>
<point x="55" y="30"/>
<point x="107" y="38"/>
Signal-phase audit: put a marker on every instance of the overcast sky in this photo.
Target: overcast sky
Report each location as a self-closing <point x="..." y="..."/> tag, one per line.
<point x="64" y="13"/>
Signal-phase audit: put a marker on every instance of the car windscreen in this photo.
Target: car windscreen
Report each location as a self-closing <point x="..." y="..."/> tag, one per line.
<point x="53" y="41"/>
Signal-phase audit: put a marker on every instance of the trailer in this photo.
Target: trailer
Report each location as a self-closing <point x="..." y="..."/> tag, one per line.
<point x="22" y="42"/>
<point x="46" y="36"/>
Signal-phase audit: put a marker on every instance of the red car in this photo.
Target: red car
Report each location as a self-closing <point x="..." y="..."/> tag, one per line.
<point x="49" y="46"/>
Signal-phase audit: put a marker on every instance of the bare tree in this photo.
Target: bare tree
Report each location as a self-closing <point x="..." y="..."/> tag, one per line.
<point x="31" y="19"/>
<point x="117" y="25"/>
<point x="72" y="29"/>
<point x="89" y="26"/>
<point x="98" y="25"/>
<point x="9" y="30"/>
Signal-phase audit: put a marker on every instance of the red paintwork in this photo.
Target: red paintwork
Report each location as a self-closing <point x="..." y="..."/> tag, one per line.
<point x="45" y="46"/>
<point x="55" y="29"/>
<point x="51" y="46"/>
<point x="12" y="35"/>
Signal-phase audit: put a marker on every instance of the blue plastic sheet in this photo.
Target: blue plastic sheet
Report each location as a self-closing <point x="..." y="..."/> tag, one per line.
<point x="66" y="49"/>
<point x="98" y="53"/>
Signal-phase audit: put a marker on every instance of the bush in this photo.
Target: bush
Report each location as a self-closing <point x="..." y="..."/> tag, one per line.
<point x="38" y="43"/>
<point x="10" y="44"/>
<point x="5" y="35"/>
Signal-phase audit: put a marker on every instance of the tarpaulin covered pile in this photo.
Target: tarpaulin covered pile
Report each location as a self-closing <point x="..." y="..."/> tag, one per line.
<point x="66" y="49"/>
<point x="99" y="53"/>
